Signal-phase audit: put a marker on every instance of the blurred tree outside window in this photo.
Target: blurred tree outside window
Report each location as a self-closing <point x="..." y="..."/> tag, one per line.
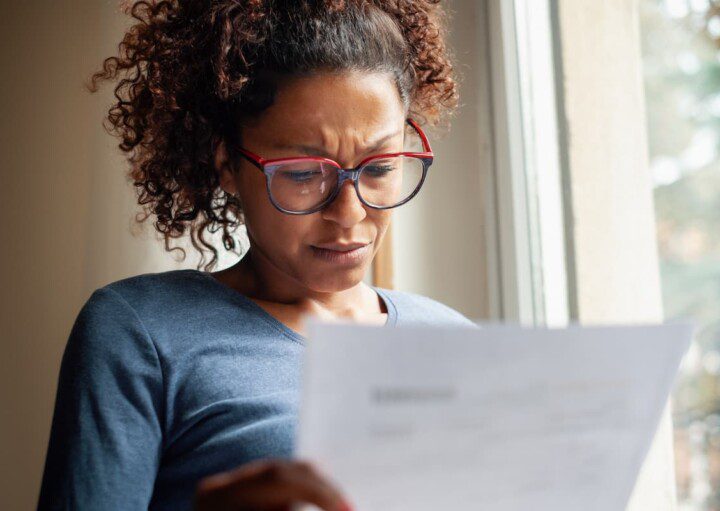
<point x="681" y="59"/>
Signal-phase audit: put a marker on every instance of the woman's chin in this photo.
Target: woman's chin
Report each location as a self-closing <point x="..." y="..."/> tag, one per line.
<point x="337" y="280"/>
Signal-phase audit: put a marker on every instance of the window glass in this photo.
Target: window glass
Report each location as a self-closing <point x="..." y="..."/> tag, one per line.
<point x="681" y="61"/>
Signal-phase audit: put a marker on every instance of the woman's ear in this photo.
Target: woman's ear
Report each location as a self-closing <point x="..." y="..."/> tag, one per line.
<point x="223" y="168"/>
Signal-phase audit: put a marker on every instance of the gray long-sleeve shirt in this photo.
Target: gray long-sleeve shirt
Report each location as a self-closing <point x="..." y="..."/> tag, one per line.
<point x="169" y="377"/>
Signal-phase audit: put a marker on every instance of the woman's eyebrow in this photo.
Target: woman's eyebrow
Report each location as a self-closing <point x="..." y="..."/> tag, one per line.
<point x="319" y="151"/>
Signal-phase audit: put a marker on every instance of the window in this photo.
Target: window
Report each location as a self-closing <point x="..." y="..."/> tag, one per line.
<point x="681" y="61"/>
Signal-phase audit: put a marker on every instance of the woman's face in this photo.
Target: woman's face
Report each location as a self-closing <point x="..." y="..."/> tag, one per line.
<point x="338" y="116"/>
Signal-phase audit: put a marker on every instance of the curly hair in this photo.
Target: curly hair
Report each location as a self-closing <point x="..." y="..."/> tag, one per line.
<point x="190" y="70"/>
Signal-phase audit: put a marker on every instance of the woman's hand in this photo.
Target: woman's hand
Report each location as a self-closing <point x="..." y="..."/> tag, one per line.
<point x="268" y="484"/>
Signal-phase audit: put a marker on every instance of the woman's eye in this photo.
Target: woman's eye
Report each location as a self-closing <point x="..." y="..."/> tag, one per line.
<point x="300" y="176"/>
<point x="378" y="170"/>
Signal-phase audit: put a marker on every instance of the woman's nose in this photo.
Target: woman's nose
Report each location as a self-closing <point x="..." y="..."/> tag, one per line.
<point x="346" y="209"/>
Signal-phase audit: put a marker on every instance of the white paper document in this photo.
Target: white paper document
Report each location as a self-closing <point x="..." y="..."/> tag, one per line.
<point x="497" y="418"/>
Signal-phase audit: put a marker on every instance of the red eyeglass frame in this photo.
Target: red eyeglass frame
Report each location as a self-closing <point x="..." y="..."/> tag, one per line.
<point x="266" y="167"/>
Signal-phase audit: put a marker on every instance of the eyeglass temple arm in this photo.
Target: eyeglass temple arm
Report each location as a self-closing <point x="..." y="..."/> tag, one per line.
<point x="253" y="158"/>
<point x="426" y="144"/>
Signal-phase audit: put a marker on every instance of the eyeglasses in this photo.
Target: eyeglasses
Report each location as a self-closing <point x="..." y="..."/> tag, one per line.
<point x="306" y="184"/>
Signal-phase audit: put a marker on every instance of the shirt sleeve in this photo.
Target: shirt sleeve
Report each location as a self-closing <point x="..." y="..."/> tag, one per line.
<point x="106" y="434"/>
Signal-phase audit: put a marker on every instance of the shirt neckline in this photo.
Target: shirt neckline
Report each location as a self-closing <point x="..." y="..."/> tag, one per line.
<point x="279" y="325"/>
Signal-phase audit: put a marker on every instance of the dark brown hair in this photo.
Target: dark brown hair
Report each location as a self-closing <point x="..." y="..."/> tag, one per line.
<point x="190" y="70"/>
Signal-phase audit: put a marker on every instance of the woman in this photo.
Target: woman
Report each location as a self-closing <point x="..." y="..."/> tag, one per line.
<point x="180" y="389"/>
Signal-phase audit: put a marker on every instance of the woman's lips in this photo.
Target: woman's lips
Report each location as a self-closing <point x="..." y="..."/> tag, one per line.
<point x="336" y="256"/>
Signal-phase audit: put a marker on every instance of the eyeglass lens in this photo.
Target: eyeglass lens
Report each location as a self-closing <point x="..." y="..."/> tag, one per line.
<point x="384" y="182"/>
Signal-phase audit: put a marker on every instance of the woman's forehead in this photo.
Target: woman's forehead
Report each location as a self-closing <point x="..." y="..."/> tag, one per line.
<point x="323" y="111"/>
<point x="318" y="142"/>
<point x="342" y="98"/>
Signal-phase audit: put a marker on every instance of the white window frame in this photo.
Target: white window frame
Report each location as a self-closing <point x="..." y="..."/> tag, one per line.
<point x="530" y="235"/>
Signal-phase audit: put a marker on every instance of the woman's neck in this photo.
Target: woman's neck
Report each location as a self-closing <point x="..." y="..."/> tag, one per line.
<point x="258" y="278"/>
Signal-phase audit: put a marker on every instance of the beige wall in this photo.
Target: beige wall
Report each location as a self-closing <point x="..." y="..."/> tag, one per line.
<point x="67" y="210"/>
<point x="440" y="237"/>
<point x="614" y="254"/>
